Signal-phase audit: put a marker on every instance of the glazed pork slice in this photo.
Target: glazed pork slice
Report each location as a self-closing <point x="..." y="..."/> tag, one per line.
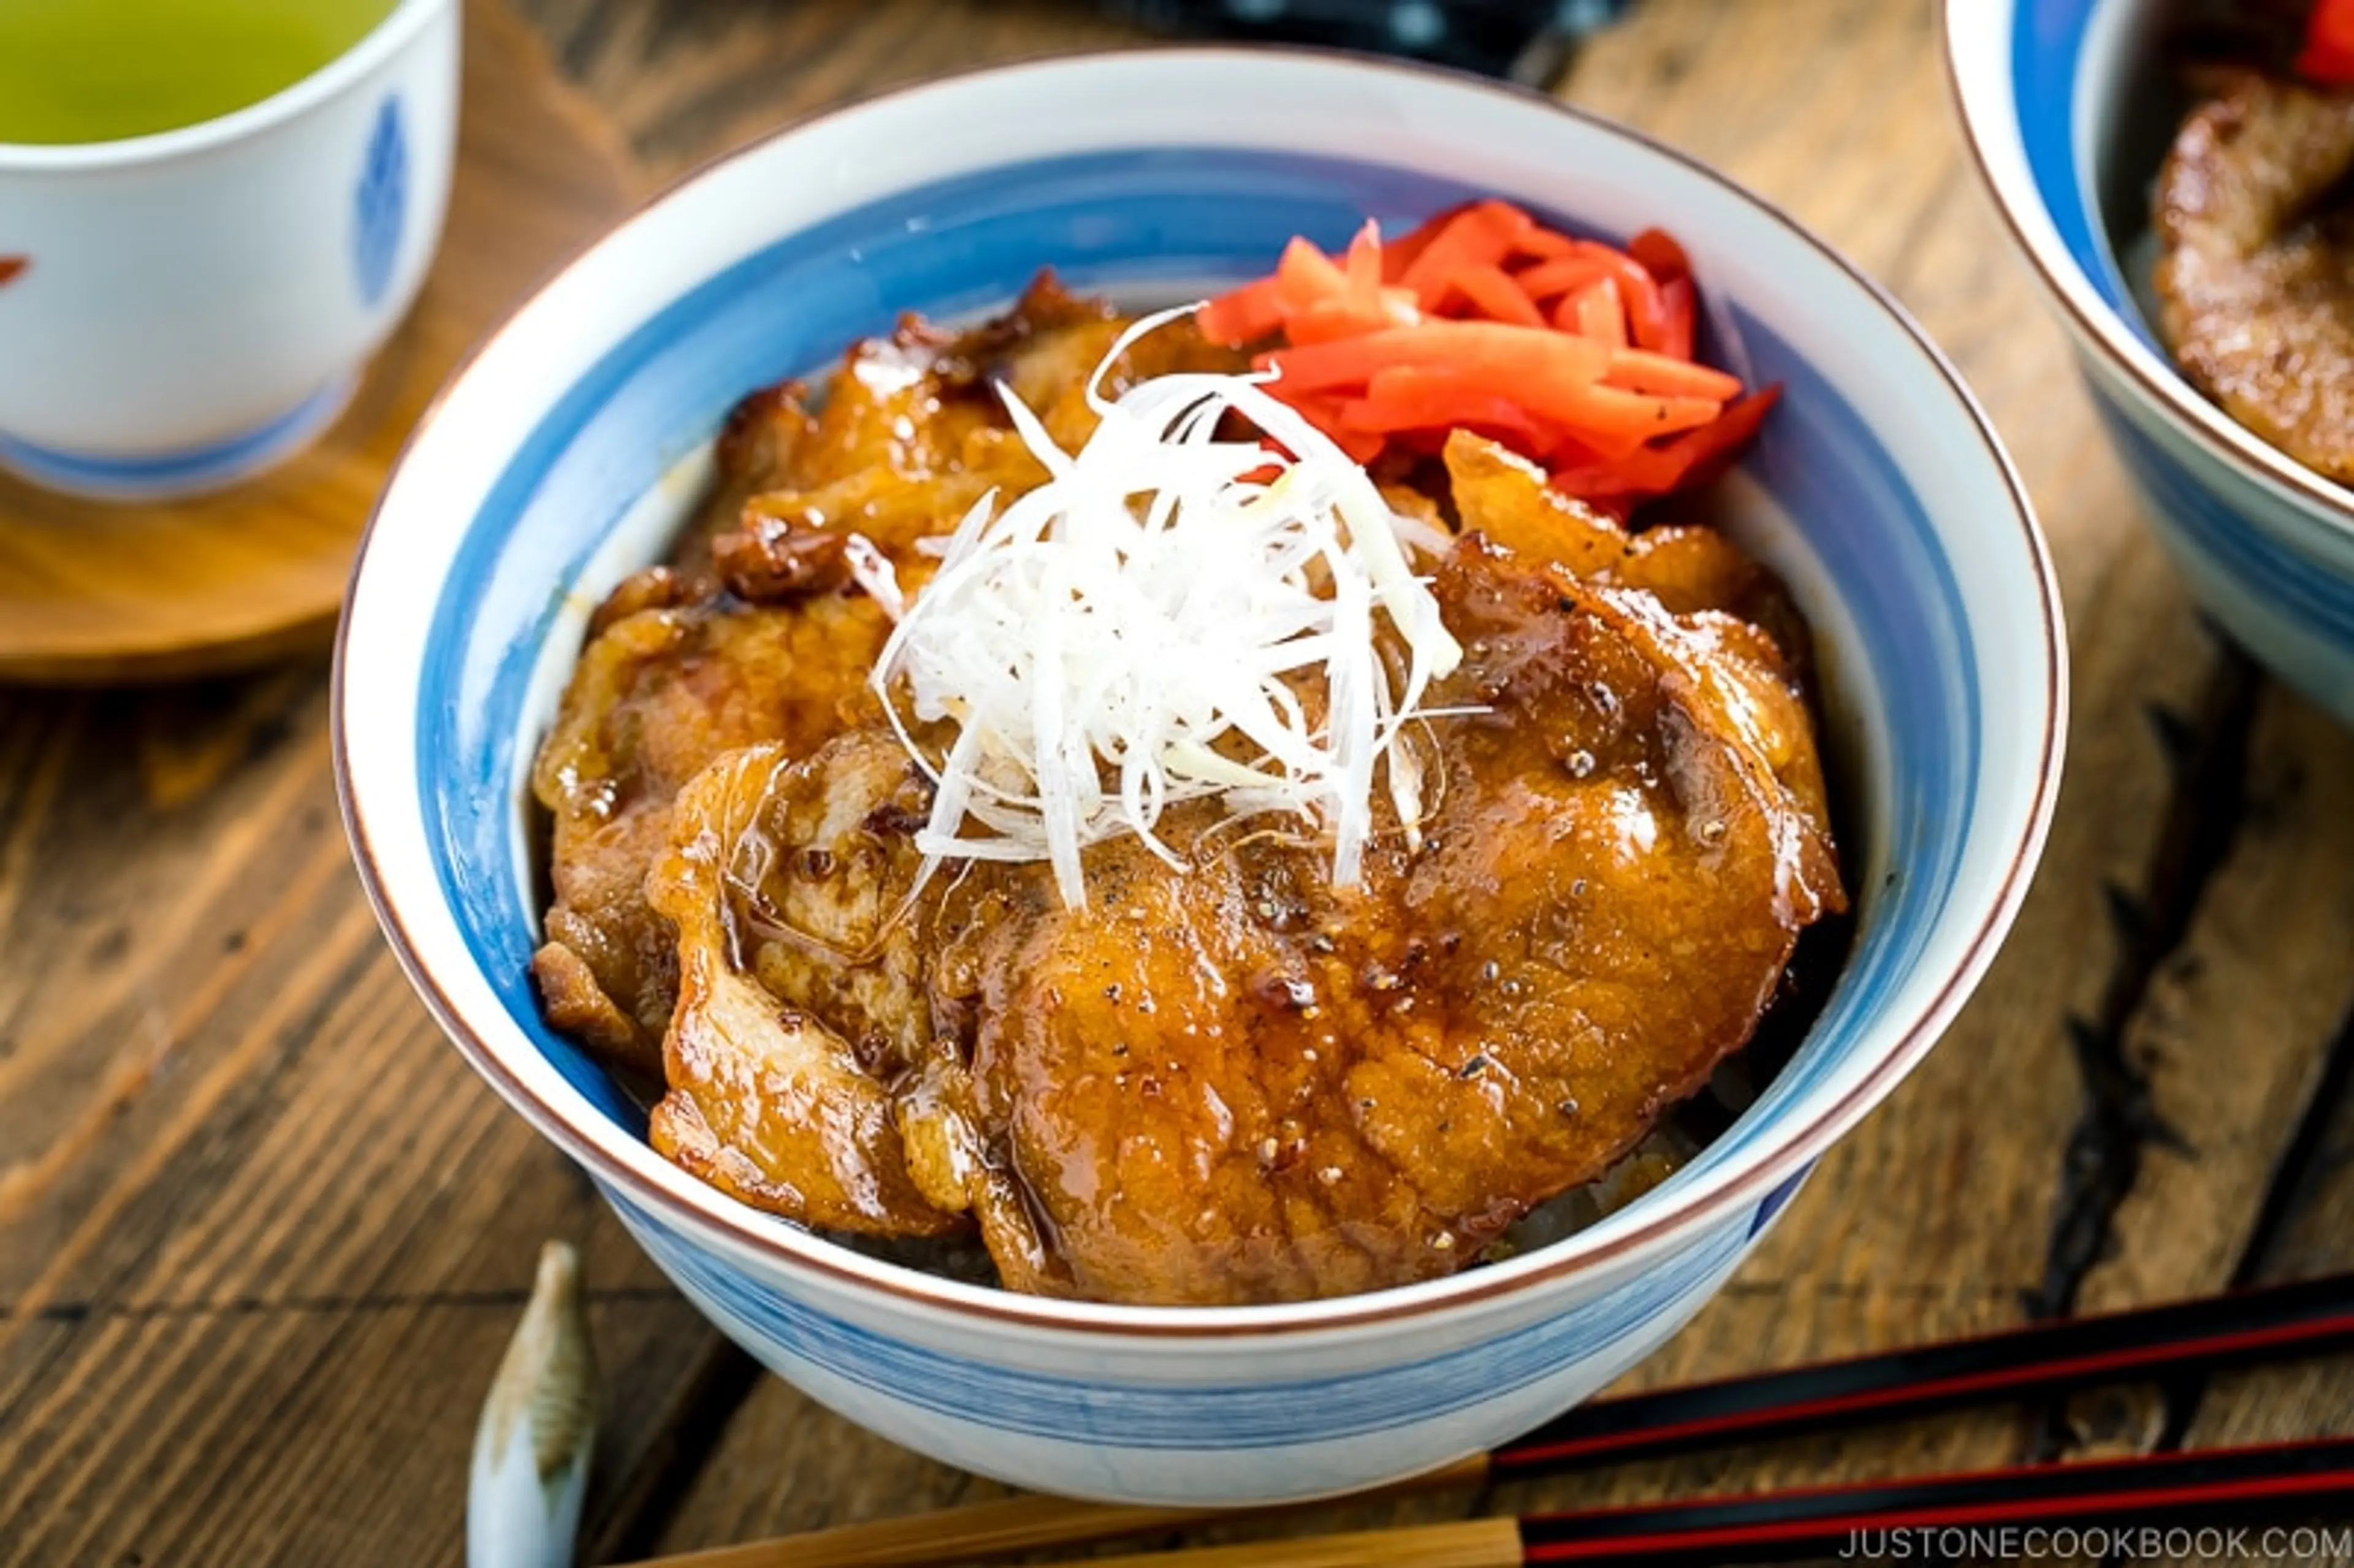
<point x="799" y="1007"/>
<point x="1232" y="1083"/>
<point x="662" y="689"/>
<point x="1507" y="500"/>
<point x="2256" y="278"/>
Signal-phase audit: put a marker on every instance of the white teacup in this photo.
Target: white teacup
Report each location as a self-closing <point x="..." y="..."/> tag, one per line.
<point x="178" y="311"/>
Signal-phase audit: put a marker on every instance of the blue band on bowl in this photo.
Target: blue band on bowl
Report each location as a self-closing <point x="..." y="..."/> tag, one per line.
<point x="2050" y="96"/>
<point x="2047" y="46"/>
<point x="2302" y="588"/>
<point x="1200" y="1414"/>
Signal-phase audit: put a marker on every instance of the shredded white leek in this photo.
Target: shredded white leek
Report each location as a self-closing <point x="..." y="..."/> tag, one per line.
<point x="1101" y="642"/>
<point x="871" y="570"/>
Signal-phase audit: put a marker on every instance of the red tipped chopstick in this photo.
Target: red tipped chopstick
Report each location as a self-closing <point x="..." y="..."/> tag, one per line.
<point x="2099" y="1508"/>
<point x="2018" y="1363"/>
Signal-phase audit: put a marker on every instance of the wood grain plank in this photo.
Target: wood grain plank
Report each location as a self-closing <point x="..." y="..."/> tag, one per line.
<point x="2317" y="1237"/>
<point x="2236" y="1032"/>
<point x="250" y="1317"/>
<point x="686" y="80"/>
<point x="2270" y="1044"/>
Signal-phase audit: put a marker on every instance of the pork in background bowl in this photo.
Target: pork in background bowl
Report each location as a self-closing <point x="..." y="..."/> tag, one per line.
<point x="2070" y="107"/>
<point x="570" y="448"/>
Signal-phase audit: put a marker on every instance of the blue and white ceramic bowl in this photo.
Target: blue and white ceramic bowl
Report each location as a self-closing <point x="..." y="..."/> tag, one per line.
<point x="579" y="437"/>
<point x="2069" y="110"/>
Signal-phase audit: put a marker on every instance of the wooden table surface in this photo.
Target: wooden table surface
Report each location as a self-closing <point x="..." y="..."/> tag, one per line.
<point x="262" y="1236"/>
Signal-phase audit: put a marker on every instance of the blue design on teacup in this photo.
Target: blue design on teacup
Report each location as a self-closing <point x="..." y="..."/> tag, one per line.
<point x="380" y="203"/>
<point x="179" y="471"/>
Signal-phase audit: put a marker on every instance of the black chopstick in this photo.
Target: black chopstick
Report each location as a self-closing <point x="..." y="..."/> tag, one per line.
<point x="1966" y="1515"/>
<point x="2239" y="1503"/>
<point x="2016" y="1363"/>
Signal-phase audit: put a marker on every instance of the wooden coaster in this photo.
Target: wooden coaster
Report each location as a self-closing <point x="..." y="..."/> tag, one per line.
<point x="94" y="592"/>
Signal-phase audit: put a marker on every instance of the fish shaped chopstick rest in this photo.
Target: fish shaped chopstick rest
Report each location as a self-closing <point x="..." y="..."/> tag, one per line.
<point x="537" y="1430"/>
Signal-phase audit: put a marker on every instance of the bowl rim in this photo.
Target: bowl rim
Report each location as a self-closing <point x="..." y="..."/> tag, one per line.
<point x="1789" y="1152"/>
<point x="2020" y="200"/>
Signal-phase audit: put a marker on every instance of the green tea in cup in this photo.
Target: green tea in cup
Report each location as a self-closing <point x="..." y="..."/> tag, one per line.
<point x="100" y="70"/>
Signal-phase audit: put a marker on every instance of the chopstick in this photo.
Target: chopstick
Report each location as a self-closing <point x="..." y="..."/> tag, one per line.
<point x="1939" y="1516"/>
<point x="2038" y="1359"/>
<point x="2016" y="1363"/>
